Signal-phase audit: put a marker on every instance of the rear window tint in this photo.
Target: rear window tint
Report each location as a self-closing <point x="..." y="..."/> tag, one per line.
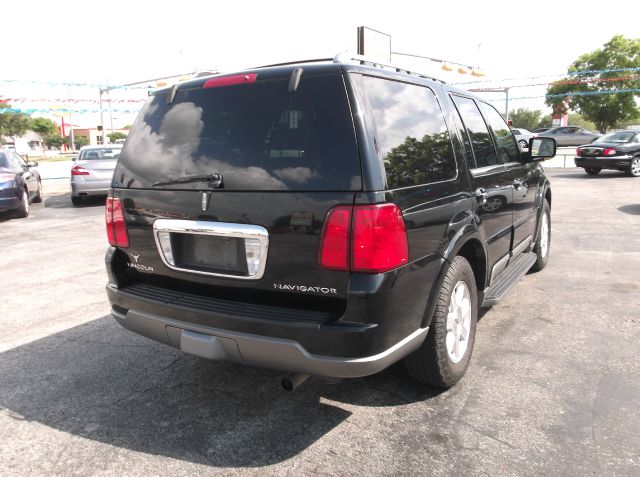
<point x="99" y="154"/>
<point x="412" y="137"/>
<point x="258" y="136"/>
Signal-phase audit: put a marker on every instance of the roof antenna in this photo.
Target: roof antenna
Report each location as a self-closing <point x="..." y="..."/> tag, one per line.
<point x="294" y="80"/>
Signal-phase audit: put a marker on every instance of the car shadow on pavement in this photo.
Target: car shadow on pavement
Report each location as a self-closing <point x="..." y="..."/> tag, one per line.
<point x="63" y="201"/>
<point x="99" y="381"/>
<point x="584" y="176"/>
<point x="633" y="209"/>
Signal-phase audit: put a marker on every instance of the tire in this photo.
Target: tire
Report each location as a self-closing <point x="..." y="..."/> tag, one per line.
<point x="634" y="167"/>
<point x="23" y="210"/>
<point x="39" y="194"/>
<point x="493" y="204"/>
<point x="444" y="356"/>
<point x="592" y="171"/>
<point x="542" y="246"/>
<point x="76" y="200"/>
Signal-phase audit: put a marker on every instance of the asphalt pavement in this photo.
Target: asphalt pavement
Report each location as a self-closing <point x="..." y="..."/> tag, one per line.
<point x="553" y="387"/>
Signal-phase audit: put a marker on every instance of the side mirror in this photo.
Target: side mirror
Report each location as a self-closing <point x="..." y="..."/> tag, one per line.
<point x="32" y="163"/>
<point x="541" y="148"/>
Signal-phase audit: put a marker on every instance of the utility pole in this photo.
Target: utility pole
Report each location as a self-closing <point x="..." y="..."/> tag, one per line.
<point x="496" y="90"/>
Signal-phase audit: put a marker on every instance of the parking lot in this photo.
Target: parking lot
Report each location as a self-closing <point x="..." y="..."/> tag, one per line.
<point x="553" y="387"/>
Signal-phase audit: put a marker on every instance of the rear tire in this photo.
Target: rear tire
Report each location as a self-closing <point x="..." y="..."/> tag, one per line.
<point x="76" y="200"/>
<point x="444" y="356"/>
<point x="23" y="210"/>
<point x="592" y="171"/>
<point x="544" y="239"/>
<point x="634" y="167"/>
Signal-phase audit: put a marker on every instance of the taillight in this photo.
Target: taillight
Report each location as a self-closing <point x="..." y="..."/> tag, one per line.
<point x="610" y="151"/>
<point x="116" y="225"/>
<point x="230" y="80"/>
<point x="578" y="152"/>
<point x="364" y="238"/>
<point x="79" y="171"/>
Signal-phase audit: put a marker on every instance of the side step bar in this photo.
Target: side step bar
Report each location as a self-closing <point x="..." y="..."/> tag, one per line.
<point x="516" y="269"/>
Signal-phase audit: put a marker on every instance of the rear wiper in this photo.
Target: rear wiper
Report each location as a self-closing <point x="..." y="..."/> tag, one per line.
<point x="214" y="180"/>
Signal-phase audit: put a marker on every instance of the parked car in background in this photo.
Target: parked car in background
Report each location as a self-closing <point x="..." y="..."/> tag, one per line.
<point x="540" y="130"/>
<point x="570" y="135"/>
<point x="522" y="137"/>
<point x="617" y="150"/>
<point x="92" y="171"/>
<point x="20" y="183"/>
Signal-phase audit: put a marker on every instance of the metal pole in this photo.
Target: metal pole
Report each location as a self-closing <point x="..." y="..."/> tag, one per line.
<point x="101" y="116"/>
<point x="506" y="107"/>
<point x="110" y="112"/>
<point x="73" y="142"/>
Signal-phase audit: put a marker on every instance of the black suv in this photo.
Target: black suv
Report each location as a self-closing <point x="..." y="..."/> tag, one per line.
<point x="325" y="218"/>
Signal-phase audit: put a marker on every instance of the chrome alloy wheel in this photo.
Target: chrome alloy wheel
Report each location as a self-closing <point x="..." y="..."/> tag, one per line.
<point x="635" y="166"/>
<point x="544" y="235"/>
<point x="458" y="322"/>
<point x="25" y="201"/>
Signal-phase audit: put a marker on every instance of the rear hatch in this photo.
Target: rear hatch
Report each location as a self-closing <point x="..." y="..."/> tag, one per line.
<point x="99" y="162"/>
<point x="226" y="184"/>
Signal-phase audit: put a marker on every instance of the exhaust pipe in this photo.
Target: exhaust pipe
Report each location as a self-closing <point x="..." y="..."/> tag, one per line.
<point x="289" y="383"/>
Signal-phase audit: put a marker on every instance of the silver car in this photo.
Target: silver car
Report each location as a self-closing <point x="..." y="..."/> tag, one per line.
<point x="522" y="137"/>
<point x="92" y="171"/>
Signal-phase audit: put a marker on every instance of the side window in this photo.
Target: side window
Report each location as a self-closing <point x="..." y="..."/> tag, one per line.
<point x="16" y="162"/>
<point x="4" y="161"/>
<point x="505" y="142"/>
<point x="478" y="132"/>
<point x="412" y="137"/>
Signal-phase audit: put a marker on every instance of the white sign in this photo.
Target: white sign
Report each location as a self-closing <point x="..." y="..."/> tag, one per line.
<point x="373" y="44"/>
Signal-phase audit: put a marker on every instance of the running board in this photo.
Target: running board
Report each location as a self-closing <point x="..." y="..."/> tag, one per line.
<point x="516" y="269"/>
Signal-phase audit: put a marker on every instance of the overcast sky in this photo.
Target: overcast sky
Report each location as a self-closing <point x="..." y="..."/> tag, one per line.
<point x="118" y="41"/>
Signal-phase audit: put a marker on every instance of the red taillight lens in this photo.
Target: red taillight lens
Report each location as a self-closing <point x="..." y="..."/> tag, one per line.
<point x="230" y="80"/>
<point x="79" y="171"/>
<point x="610" y="151"/>
<point x="578" y="152"/>
<point x="333" y="253"/>
<point x="364" y="238"/>
<point x="116" y="225"/>
<point x="379" y="238"/>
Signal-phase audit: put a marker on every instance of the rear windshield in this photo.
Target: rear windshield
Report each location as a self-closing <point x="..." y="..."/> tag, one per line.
<point x="257" y="136"/>
<point x="98" y="154"/>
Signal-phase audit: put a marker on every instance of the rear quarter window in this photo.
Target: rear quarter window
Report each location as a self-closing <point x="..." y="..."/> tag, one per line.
<point x="412" y="138"/>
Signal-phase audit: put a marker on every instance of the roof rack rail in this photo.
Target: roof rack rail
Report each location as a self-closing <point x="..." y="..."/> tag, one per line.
<point x="343" y="58"/>
<point x="314" y="60"/>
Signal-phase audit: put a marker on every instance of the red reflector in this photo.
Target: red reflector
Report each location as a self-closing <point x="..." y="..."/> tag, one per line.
<point x="578" y="152"/>
<point x="379" y="238"/>
<point x="116" y="224"/>
<point x="79" y="171"/>
<point x="334" y="243"/>
<point x="230" y="80"/>
<point x="610" y="151"/>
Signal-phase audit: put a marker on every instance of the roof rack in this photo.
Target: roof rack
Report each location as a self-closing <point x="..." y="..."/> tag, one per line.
<point x="343" y="58"/>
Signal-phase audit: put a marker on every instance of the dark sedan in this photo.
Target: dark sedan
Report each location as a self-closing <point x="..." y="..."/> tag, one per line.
<point x="20" y="183"/>
<point x="618" y="150"/>
<point x="570" y="135"/>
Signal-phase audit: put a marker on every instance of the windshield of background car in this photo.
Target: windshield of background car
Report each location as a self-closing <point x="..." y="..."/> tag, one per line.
<point x="99" y="154"/>
<point x="258" y="136"/>
<point x="616" y="137"/>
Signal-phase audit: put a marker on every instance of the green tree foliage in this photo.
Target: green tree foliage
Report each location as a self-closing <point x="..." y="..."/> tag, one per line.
<point x="80" y="141"/>
<point x="116" y="135"/>
<point x="53" y="140"/>
<point x="44" y="127"/>
<point x="523" y="118"/>
<point x="13" y="123"/>
<point x="545" y="122"/>
<point x="578" y="120"/>
<point x="418" y="161"/>
<point x="604" y="110"/>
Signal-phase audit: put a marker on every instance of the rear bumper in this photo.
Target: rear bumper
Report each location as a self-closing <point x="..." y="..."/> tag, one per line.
<point x="90" y="187"/>
<point x="262" y="351"/>
<point x="603" y="162"/>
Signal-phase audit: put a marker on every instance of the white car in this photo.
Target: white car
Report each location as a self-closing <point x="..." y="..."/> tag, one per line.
<point x="92" y="171"/>
<point x="522" y="137"/>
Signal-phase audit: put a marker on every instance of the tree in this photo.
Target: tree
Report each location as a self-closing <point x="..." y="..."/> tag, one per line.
<point x="13" y="123"/>
<point x="80" y="141"/>
<point x="116" y="135"/>
<point x="43" y="126"/>
<point x="53" y="140"/>
<point x="523" y="118"/>
<point x="592" y="76"/>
